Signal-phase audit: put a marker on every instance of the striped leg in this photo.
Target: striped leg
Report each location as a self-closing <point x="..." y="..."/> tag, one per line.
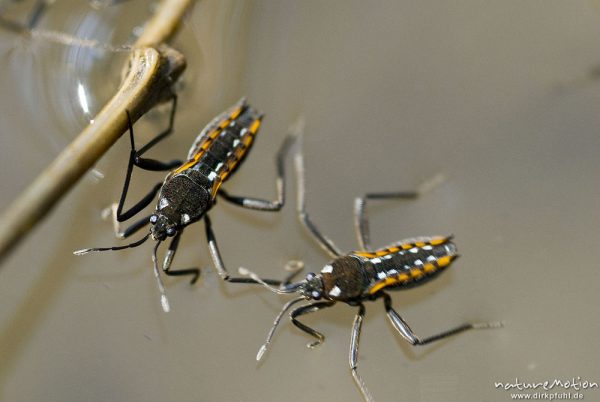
<point x="310" y="308"/>
<point x="361" y="218"/>
<point x="407" y="333"/>
<point x="323" y="241"/>
<point x="265" y="205"/>
<point x="218" y="260"/>
<point x="194" y="272"/>
<point x="353" y="358"/>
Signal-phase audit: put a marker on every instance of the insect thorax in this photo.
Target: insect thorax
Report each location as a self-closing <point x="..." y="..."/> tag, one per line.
<point x="344" y="278"/>
<point x="184" y="198"/>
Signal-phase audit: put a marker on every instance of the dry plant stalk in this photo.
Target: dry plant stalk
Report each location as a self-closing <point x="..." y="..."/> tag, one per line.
<point x="152" y="69"/>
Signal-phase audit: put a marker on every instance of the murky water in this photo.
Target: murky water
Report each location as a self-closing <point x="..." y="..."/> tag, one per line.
<point x="499" y="98"/>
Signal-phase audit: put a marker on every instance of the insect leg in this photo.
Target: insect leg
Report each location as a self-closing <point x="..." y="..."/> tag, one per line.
<point x="310" y="308"/>
<point x="361" y="218"/>
<point x="323" y="241"/>
<point x="164" y="133"/>
<point x="265" y="205"/>
<point x="406" y="332"/>
<point x="152" y="164"/>
<point x="218" y="260"/>
<point x="116" y="210"/>
<point x="353" y="357"/>
<point x="195" y="272"/>
<point x="122" y="234"/>
<point x="147" y="164"/>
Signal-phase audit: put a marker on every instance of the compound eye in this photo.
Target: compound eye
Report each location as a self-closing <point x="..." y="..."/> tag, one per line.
<point x="171" y="232"/>
<point x="310" y="276"/>
<point x="316" y="295"/>
<point x="153" y="218"/>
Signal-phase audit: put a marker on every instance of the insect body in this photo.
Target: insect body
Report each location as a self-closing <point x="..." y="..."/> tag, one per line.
<point x="191" y="188"/>
<point x="361" y="275"/>
<point x="365" y="275"/>
<point x="190" y="191"/>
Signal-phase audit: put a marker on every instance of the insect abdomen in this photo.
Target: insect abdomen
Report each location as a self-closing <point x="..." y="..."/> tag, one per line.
<point x="235" y="141"/>
<point x="218" y="152"/>
<point x="409" y="263"/>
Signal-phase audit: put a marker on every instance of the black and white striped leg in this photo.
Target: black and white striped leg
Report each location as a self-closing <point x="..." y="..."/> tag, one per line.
<point x="323" y="241"/>
<point x="361" y="217"/>
<point x="194" y="272"/>
<point x="131" y="229"/>
<point x="213" y="248"/>
<point x="135" y="159"/>
<point x="113" y="212"/>
<point x="407" y="333"/>
<point x="353" y="357"/>
<point x="310" y="308"/>
<point x="265" y="205"/>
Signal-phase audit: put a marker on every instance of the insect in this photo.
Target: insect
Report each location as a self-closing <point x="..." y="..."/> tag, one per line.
<point x="364" y="275"/>
<point x="191" y="188"/>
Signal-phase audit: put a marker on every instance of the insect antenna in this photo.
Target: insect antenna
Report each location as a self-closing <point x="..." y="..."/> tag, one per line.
<point x="289" y="289"/>
<point x="90" y="250"/>
<point x="286" y="307"/>
<point x="164" y="302"/>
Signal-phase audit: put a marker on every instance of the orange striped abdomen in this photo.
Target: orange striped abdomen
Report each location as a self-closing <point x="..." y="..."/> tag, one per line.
<point x="409" y="263"/>
<point x="221" y="147"/>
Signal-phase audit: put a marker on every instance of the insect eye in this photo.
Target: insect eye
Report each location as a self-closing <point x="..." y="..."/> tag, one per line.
<point x="171" y="232"/>
<point x="310" y="276"/>
<point x="316" y="295"/>
<point x="153" y="218"/>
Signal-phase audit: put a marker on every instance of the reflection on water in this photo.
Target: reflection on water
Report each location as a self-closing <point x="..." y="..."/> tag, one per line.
<point x="69" y="65"/>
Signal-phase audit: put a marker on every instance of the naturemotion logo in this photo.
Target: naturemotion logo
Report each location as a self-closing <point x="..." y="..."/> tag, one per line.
<point x="562" y="389"/>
